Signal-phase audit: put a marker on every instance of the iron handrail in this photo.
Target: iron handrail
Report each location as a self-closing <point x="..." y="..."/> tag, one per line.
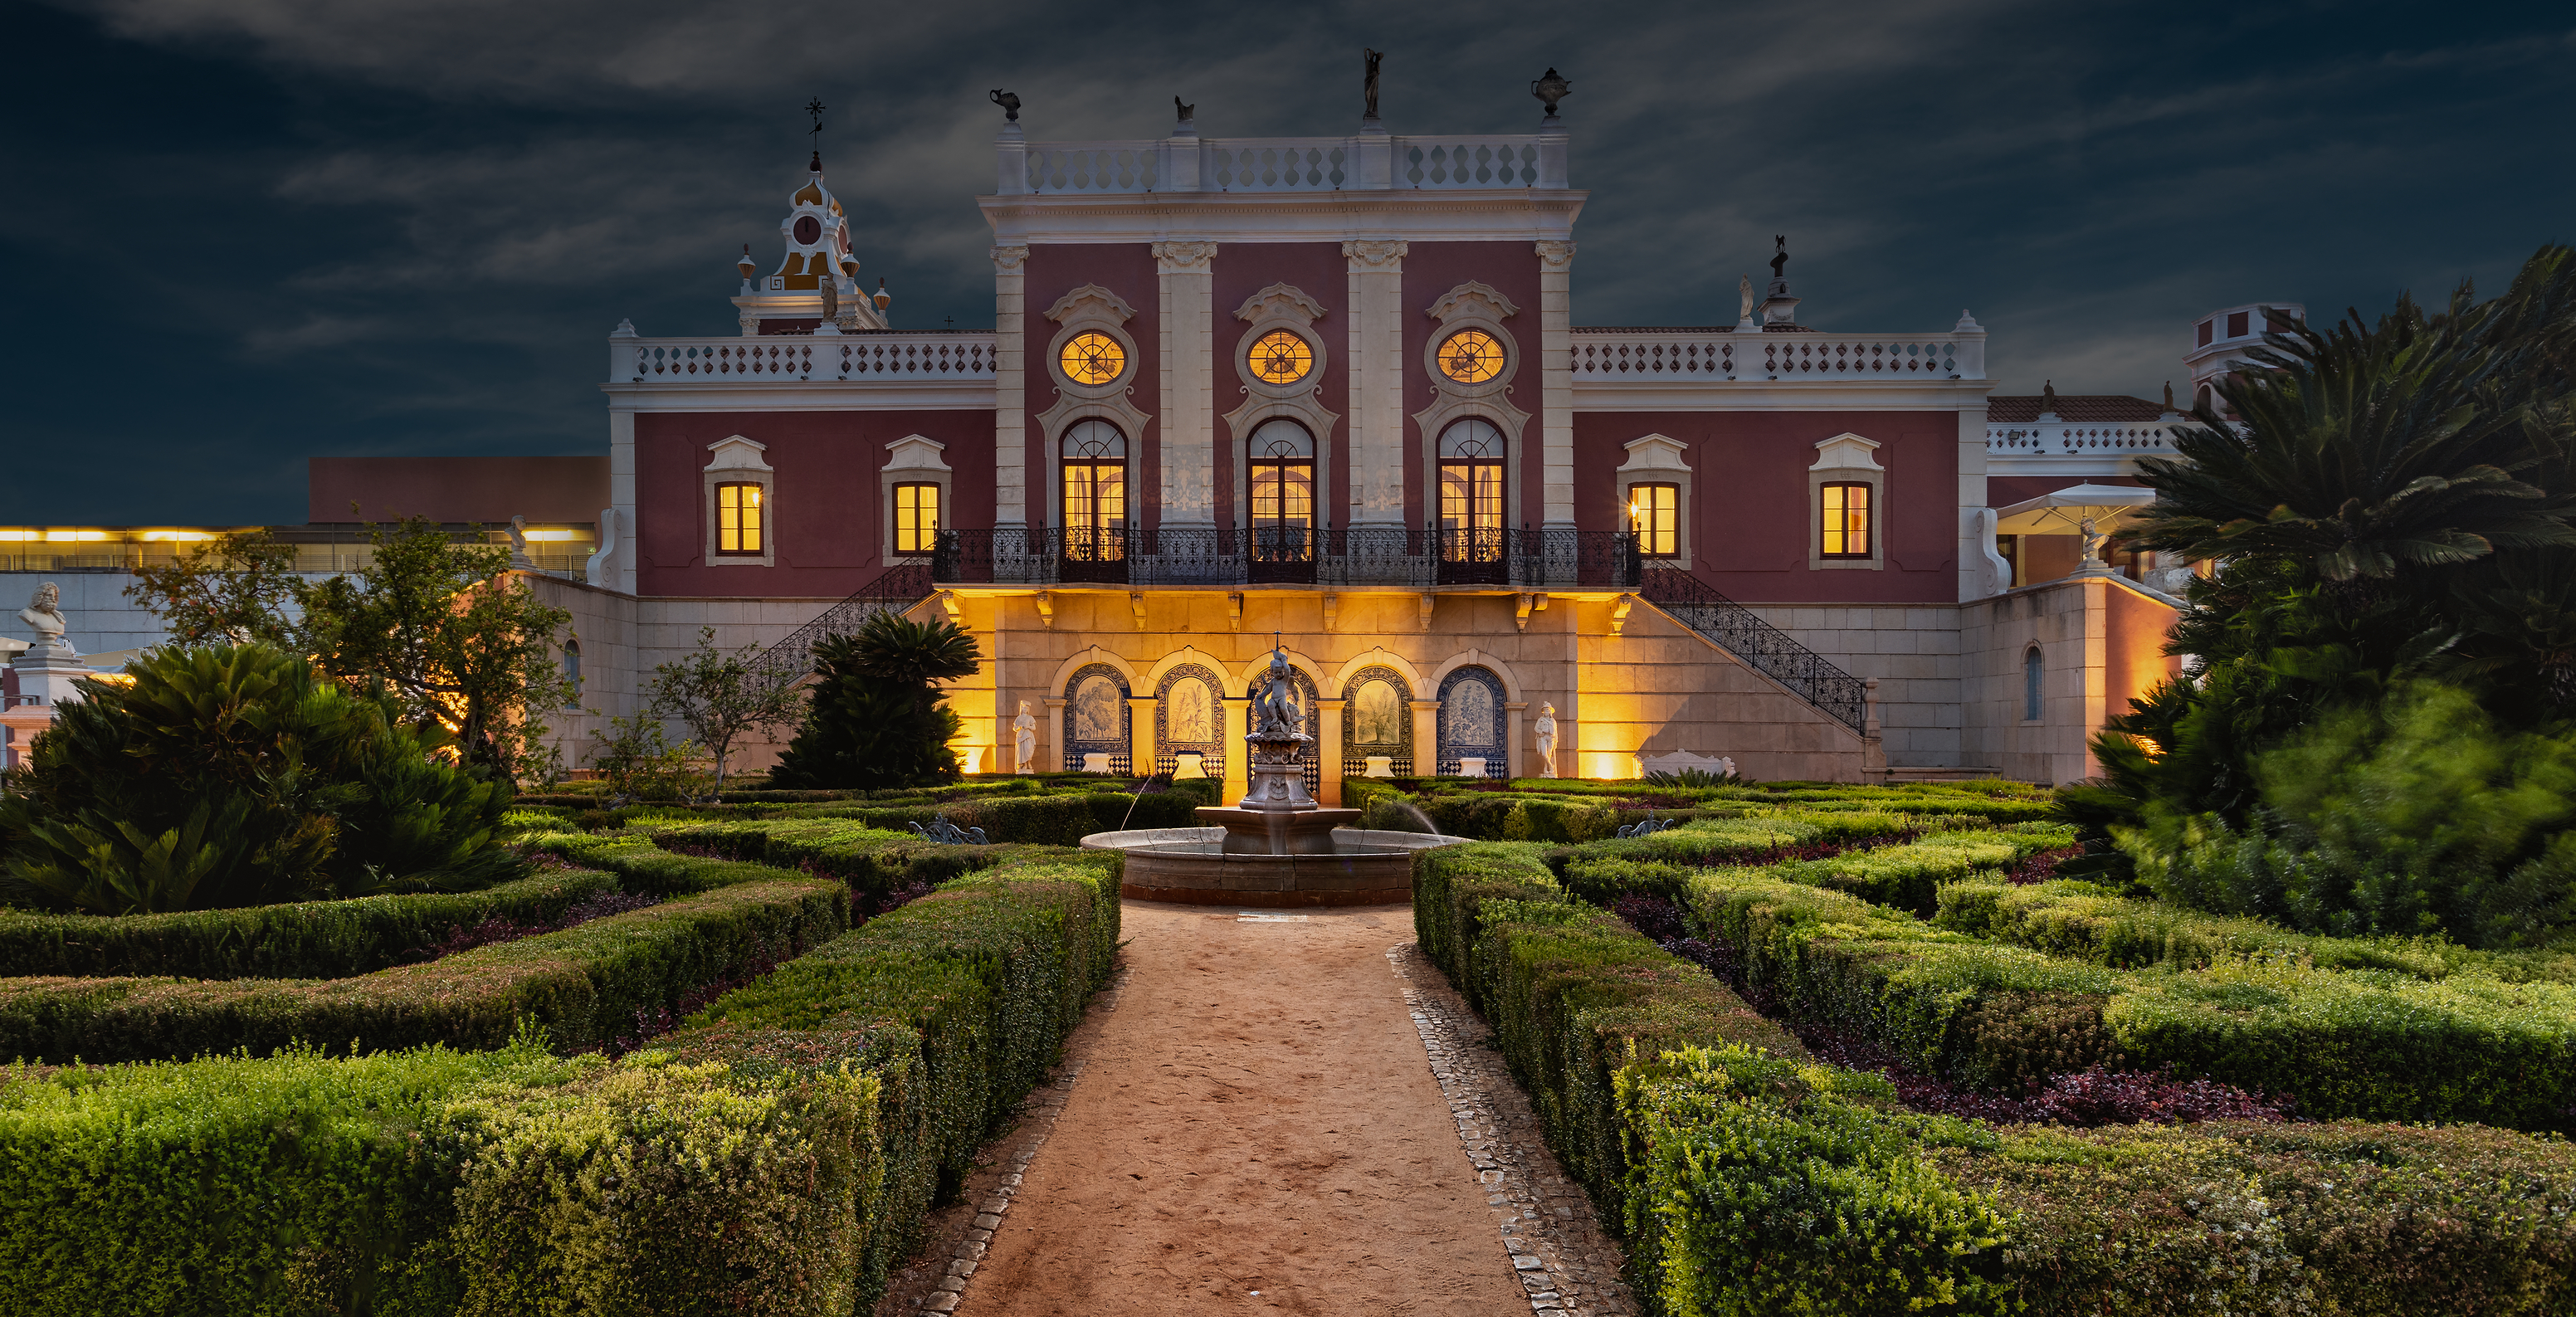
<point x="1766" y="648"/>
<point x="895" y="590"/>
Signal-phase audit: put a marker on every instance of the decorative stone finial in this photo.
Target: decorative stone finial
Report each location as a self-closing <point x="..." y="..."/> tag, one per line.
<point x="1010" y="103"/>
<point x="1549" y="89"/>
<point x="1189" y="112"/>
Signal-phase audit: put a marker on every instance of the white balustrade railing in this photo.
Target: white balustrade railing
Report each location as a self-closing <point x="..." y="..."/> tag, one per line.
<point x="1368" y="162"/>
<point x="2036" y="439"/>
<point x="796" y="357"/>
<point x="1721" y="354"/>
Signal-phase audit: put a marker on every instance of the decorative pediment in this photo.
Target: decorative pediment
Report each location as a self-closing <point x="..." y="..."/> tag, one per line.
<point x="1280" y="301"/>
<point x="1655" y="452"/>
<point x="916" y="453"/>
<point x="1846" y="452"/>
<point x="737" y="453"/>
<point x="1471" y="298"/>
<point x="1094" y="300"/>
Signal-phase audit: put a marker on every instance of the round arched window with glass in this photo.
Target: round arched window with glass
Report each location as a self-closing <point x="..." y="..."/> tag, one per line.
<point x="1092" y="359"/>
<point x="1282" y="470"/>
<point x="1095" y="493"/>
<point x="1471" y="492"/>
<point x="1281" y="356"/>
<point x="1471" y="356"/>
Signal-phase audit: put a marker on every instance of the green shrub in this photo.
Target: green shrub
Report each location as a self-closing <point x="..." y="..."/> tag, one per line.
<point x="2416" y="814"/>
<point x="586" y="985"/>
<point x="2089" y="922"/>
<point x="2372" y="1044"/>
<point x="875" y="717"/>
<point x="307" y="940"/>
<point x="2348" y="1218"/>
<point x="233" y="776"/>
<point x="1909" y="876"/>
<point x="433" y="1182"/>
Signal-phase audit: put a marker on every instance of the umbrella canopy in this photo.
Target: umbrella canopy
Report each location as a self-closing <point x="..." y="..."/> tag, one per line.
<point x="2063" y="511"/>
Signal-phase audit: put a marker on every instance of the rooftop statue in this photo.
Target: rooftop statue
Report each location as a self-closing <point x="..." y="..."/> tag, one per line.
<point x="1189" y="112"/>
<point x="1368" y="85"/>
<point x="1779" y="256"/>
<point x="1010" y="103"/>
<point x="44" y="616"/>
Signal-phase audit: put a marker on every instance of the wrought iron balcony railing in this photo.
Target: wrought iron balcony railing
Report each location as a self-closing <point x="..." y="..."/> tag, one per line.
<point x="1364" y="555"/>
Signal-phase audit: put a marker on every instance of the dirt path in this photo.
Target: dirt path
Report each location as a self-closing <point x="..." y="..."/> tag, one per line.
<point x="1256" y="1115"/>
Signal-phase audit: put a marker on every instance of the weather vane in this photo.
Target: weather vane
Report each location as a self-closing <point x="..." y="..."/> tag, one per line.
<point x="816" y="107"/>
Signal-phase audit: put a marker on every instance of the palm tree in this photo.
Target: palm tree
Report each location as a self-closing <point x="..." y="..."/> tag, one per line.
<point x="876" y="720"/>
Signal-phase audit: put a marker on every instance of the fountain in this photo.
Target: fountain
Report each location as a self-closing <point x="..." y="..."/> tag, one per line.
<point x="1277" y="846"/>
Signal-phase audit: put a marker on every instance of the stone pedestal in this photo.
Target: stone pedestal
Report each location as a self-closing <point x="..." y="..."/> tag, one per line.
<point x="46" y="673"/>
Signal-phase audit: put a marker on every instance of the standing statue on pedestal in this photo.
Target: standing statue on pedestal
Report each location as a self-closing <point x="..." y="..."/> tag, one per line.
<point x="519" y="558"/>
<point x="1368" y="84"/>
<point x="1277" y="705"/>
<point x="1744" y="299"/>
<point x="1546" y="729"/>
<point x="1024" y="739"/>
<point x="44" y="616"/>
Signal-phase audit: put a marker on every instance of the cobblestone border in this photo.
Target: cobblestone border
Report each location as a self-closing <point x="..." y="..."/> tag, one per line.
<point x="1037" y="1120"/>
<point x="1568" y="1266"/>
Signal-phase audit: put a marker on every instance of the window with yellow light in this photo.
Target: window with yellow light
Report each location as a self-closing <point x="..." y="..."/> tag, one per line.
<point x="1281" y="357"/>
<point x="1654" y="517"/>
<point x="1846" y="520"/>
<point x="916" y="517"/>
<point x="740" y="525"/>
<point x="1471" y="356"/>
<point x="1092" y="358"/>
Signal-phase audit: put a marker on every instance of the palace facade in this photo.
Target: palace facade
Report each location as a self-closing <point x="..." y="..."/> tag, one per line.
<point x="1330" y="390"/>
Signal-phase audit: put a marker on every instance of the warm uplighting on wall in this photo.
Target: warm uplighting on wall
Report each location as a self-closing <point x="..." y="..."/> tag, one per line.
<point x="176" y="536"/>
<point x="20" y="536"/>
<point x="552" y="536"/>
<point x="1608" y="766"/>
<point x="75" y="537"/>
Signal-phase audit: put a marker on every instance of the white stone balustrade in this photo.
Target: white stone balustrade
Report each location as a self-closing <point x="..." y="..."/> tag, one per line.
<point x="2052" y="438"/>
<point x="1720" y="354"/>
<point x="891" y="357"/>
<point x="1365" y="162"/>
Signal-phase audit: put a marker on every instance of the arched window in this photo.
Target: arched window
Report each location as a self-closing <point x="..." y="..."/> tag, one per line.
<point x="572" y="663"/>
<point x="1282" y="467"/>
<point x="2031" y="681"/>
<point x="1095" y="492"/>
<point x="1471" y="492"/>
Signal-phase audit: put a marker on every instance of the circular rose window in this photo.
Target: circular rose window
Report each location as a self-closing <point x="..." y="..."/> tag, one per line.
<point x="808" y="230"/>
<point x="1280" y="357"/>
<point x="1092" y="359"/>
<point x="1471" y="356"/>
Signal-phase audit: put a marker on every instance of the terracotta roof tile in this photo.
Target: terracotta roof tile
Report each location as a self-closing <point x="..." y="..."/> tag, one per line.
<point x="2073" y="408"/>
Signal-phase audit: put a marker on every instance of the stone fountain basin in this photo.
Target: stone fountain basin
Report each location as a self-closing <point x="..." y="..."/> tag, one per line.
<point x="1191" y="866"/>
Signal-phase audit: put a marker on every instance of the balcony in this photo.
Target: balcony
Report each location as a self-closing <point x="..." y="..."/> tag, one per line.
<point x="876" y="356"/>
<point x="1354" y="556"/>
<point x="2113" y="439"/>
<point x="1364" y="162"/>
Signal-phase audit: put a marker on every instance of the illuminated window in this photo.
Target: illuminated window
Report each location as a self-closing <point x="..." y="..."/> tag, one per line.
<point x="1654" y="515"/>
<point x="739" y="528"/>
<point x="1281" y="357"/>
<point x="1846" y="521"/>
<point x="916" y="517"/>
<point x="1471" y="492"/>
<point x="1283" y="492"/>
<point x="1471" y="356"/>
<point x="1095" y="492"/>
<point x="1093" y="358"/>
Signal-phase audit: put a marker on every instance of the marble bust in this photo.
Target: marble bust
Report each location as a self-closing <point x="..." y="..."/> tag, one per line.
<point x="44" y="616"/>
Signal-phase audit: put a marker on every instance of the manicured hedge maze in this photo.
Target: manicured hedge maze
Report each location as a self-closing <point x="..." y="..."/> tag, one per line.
<point x="1748" y="1177"/>
<point x="455" y="1137"/>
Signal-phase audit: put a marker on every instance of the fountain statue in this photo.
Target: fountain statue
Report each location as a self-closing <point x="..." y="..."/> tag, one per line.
<point x="1277" y="846"/>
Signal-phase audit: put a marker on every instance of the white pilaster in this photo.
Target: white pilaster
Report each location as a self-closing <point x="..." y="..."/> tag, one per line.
<point x="622" y="538"/>
<point x="1377" y="381"/>
<point x="1010" y="403"/>
<point x="1185" y="281"/>
<point x="1975" y="546"/>
<point x="1556" y="384"/>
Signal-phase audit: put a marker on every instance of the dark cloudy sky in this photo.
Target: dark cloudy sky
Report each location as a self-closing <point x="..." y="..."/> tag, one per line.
<point x="236" y="233"/>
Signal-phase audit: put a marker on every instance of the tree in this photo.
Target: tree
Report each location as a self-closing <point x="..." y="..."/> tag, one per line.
<point x="234" y="589"/>
<point x="2389" y="504"/>
<point x="875" y="719"/>
<point x="723" y="697"/>
<point x="459" y="642"/>
<point x="452" y="634"/>
<point x="232" y="775"/>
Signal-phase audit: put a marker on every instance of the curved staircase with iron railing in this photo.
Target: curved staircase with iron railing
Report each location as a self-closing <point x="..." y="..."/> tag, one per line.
<point x="893" y="591"/>
<point x="1763" y="647"/>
